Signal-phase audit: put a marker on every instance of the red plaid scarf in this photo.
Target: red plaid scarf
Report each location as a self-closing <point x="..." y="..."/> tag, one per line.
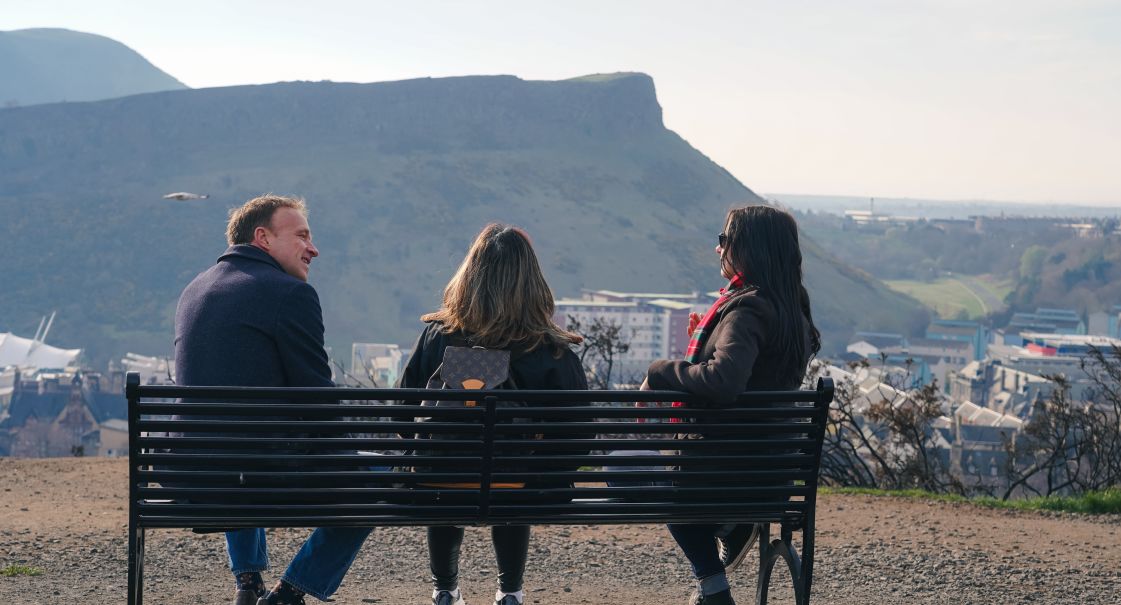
<point x="704" y="328"/>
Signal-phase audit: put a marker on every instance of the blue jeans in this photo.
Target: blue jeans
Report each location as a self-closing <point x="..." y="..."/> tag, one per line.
<point x="698" y="544"/>
<point x="317" y="569"/>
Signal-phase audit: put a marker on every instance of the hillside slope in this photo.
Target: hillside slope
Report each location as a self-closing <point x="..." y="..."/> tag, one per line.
<point x="52" y="65"/>
<point x="399" y="177"/>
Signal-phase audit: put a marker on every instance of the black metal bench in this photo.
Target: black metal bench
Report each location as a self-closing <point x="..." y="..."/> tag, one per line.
<point x="297" y="457"/>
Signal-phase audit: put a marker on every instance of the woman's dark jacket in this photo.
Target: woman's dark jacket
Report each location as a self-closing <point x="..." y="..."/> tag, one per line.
<point x="543" y="368"/>
<point x="739" y="355"/>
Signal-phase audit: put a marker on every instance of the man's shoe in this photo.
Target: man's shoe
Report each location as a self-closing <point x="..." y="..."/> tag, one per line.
<point x="734" y="546"/>
<point x="723" y="597"/>
<point x="282" y="594"/>
<point x="246" y="597"/>
<point x="508" y="600"/>
<point x="447" y="597"/>
<point x="250" y="587"/>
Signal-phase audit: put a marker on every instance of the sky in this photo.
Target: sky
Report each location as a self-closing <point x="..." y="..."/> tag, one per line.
<point x="1015" y="100"/>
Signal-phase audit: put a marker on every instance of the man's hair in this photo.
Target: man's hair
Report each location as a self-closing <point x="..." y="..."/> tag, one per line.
<point x="258" y="212"/>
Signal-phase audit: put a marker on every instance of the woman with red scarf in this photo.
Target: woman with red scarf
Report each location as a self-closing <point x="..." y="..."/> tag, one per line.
<point x="758" y="335"/>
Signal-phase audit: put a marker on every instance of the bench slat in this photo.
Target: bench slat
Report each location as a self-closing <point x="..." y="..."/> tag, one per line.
<point x="266" y="462"/>
<point x="535" y="445"/>
<point x="343" y="426"/>
<point x="334" y="394"/>
<point x="185" y="477"/>
<point x="328" y="411"/>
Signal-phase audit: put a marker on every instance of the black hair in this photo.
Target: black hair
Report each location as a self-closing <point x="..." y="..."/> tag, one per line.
<point x="762" y="247"/>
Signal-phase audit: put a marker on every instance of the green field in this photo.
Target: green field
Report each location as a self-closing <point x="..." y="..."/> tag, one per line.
<point x="948" y="297"/>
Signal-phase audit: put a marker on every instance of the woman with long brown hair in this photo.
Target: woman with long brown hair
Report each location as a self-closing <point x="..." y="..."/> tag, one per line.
<point x="498" y="299"/>
<point x="758" y="335"/>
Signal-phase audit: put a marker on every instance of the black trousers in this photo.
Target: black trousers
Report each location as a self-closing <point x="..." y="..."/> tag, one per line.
<point x="511" y="549"/>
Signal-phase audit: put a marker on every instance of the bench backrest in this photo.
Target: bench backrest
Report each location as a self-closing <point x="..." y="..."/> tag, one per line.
<point x="226" y="457"/>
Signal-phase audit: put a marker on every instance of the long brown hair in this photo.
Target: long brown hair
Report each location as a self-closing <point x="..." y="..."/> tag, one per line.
<point x="762" y="247"/>
<point x="499" y="296"/>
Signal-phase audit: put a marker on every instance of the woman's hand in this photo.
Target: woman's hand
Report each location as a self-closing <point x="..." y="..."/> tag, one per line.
<point x="645" y="386"/>
<point x="694" y="321"/>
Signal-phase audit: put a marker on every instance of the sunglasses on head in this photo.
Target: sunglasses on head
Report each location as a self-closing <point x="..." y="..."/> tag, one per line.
<point x="722" y="240"/>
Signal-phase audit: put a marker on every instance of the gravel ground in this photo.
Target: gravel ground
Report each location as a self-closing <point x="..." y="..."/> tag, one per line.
<point x="68" y="517"/>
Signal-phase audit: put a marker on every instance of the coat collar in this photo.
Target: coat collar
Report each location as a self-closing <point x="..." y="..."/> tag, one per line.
<point x="250" y="252"/>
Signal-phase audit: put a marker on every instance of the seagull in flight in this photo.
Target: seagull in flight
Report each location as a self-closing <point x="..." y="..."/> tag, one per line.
<point x="183" y="196"/>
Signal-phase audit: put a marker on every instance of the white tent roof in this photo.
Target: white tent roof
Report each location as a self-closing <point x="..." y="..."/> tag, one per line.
<point x="23" y="352"/>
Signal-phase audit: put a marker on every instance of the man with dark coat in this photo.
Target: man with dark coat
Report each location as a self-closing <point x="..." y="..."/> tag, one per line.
<point x="253" y="320"/>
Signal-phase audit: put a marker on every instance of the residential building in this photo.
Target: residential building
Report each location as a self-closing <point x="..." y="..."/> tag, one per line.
<point x="1004" y="390"/>
<point x="109" y="440"/>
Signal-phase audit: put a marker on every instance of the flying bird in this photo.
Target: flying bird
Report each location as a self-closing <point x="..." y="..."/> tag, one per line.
<point x="183" y="196"/>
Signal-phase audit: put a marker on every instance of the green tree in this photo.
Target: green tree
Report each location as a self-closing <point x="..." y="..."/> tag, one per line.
<point x="1031" y="261"/>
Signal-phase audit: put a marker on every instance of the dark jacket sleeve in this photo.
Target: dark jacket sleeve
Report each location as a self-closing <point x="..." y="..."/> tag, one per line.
<point x="420" y="366"/>
<point x="570" y="374"/>
<point x="299" y="338"/>
<point x="737" y="339"/>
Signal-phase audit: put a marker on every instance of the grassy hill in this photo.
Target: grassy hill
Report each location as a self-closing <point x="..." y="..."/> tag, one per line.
<point x="399" y="177"/>
<point x="52" y="65"/>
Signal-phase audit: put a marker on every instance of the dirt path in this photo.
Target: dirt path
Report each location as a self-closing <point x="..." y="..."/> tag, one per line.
<point x="68" y="517"/>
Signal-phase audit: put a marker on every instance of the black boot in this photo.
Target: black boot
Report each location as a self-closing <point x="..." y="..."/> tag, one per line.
<point x="282" y="594"/>
<point x="250" y="587"/>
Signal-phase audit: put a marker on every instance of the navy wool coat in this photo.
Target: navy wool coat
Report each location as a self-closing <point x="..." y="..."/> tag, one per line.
<point x="245" y="322"/>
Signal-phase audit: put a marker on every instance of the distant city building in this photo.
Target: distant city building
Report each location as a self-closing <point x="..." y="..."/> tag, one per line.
<point x="975" y="333"/>
<point x="874" y="344"/>
<point x="870" y="220"/>
<point x="60" y="413"/>
<point x="1056" y="321"/>
<point x="1048" y="353"/>
<point x="377" y="364"/>
<point x="654" y="326"/>
<point x="152" y="370"/>
<point x="1105" y="323"/>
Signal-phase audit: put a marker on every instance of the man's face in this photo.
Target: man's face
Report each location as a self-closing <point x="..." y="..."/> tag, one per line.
<point x="288" y="240"/>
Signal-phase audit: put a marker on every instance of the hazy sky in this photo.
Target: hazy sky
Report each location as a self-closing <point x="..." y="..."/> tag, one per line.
<point x="1005" y="100"/>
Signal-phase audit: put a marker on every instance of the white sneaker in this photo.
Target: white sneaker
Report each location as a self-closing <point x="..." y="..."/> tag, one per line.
<point x="447" y="597"/>
<point x="509" y="598"/>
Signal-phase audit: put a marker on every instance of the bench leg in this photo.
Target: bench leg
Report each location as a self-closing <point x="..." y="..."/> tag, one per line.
<point x="769" y="554"/>
<point x="135" y="565"/>
<point x="766" y="563"/>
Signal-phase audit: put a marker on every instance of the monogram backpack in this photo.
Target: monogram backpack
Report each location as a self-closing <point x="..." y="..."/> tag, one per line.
<point x="471" y="368"/>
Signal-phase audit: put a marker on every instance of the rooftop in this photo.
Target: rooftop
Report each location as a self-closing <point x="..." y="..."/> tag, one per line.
<point x="23" y="352"/>
<point x="674" y="305"/>
<point x="578" y="302"/>
<point x="1057" y="340"/>
<point x="941" y="343"/>
<point x="644" y="295"/>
